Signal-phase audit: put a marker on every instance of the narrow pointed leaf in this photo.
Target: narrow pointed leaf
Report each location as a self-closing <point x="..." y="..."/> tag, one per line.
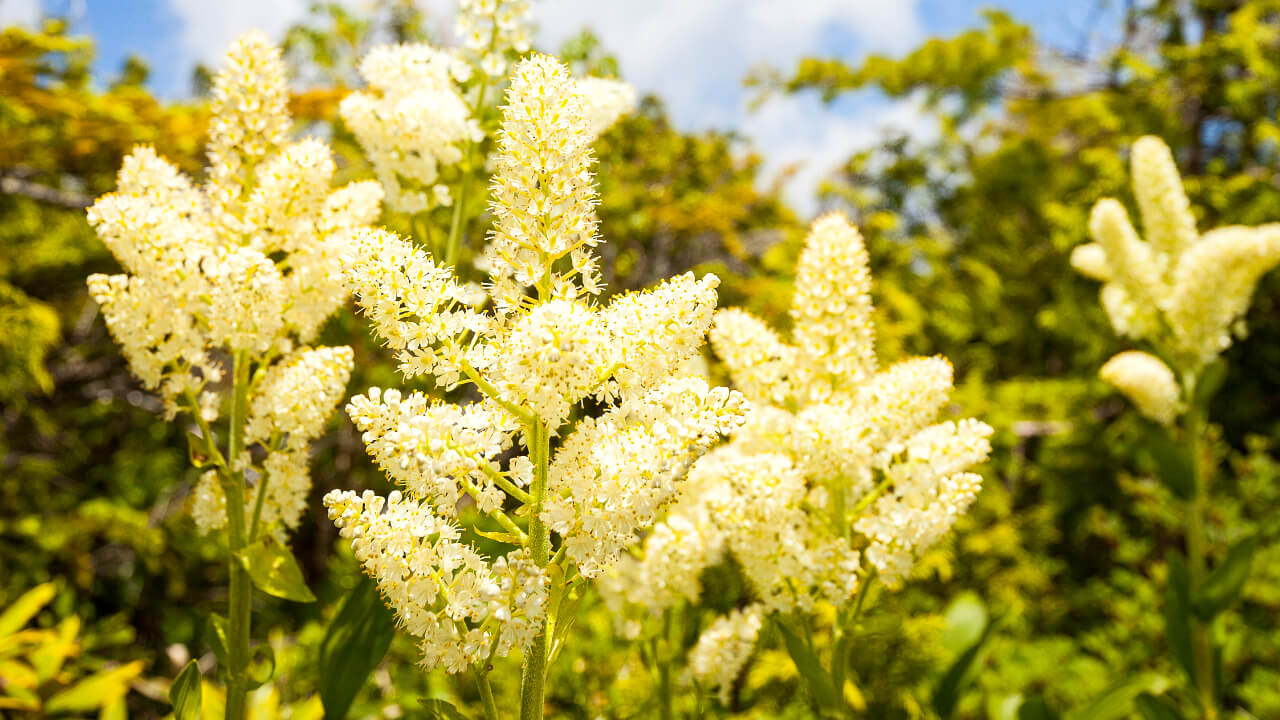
<point x="354" y="643"/>
<point x="218" y="638"/>
<point x="96" y="691"/>
<point x="185" y="694"/>
<point x="25" y="608"/>
<point x="810" y="668"/>
<point x="1222" y="588"/>
<point x="947" y="693"/>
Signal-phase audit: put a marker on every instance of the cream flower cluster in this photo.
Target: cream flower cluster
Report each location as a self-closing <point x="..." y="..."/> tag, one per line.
<point x="723" y="650"/>
<point x="536" y="345"/>
<point x="464" y="608"/>
<point x="411" y="122"/>
<point x="839" y="464"/>
<point x="604" y="100"/>
<point x="492" y="28"/>
<point x="1147" y="382"/>
<point x="249" y="263"/>
<point x="1182" y="291"/>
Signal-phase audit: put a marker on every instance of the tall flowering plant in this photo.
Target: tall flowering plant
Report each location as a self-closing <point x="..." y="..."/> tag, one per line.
<point x="582" y="427"/>
<point x="841" y="476"/>
<point x="225" y="286"/>
<point x="1181" y="296"/>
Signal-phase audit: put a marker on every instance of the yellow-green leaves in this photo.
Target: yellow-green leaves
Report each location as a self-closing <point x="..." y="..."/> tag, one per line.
<point x="25" y="608"/>
<point x="274" y="570"/>
<point x="96" y="691"/>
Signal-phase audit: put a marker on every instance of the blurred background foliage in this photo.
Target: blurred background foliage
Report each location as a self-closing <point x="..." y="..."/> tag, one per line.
<point x="969" y="232"/>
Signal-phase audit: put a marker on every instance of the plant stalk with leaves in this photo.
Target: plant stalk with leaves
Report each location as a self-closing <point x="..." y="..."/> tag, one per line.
<point x="1183" y="296"/>
<point x="241" y="272"/>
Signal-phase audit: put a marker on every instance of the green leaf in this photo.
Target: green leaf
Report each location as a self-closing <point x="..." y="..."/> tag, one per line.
<point x="275" y="571"/>
<point x="117" y="709"/>
<point x="1036" y="709"/>
<point x="185" y="693"/>
<point x="1116" y="702"/>
<point x="964" y="623"/>
<point x="1151" y="707"/>
<point x="1174" y="464"/>
<point x="198" y="452"/>
<point x="25" y="608"/>
<point x="810" y="668"/>
<point x="957" y="677"/>
<point x="1210" y="381"/>
<point x="354" y="643"/>
<point x="1221" y="589"/>
<point x="262" y="665"/>
<point x="442" y="710"/>
<point x="96" y="691"/>
<point x="218" y="639"/>
<point x="502" y="537"/>
<point x="1177" y="614"/>
<point x="48" y="658"/>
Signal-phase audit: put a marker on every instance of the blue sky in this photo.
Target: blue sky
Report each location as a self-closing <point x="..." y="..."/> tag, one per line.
<point x="693" y="53"/>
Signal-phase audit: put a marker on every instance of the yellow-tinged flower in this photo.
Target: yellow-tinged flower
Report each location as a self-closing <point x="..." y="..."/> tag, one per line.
<point x="831" y="445"/>
<point x="249" y="264"/>
<point x="1148" y="383"/>
<point x="548" y="361"/>
<point x="1183" y="291"/>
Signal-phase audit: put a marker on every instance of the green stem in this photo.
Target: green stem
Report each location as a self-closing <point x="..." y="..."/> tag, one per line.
<point x="1201" y="631"/>
<point x="534" y="675"/>
<point x="845" y="625"/>
<point x="257" y="506"/>
<point x="665" y="657"/>
<point x="870" y="497"/>
<point x="239" y="614"/>
<point x="486" y="695"/>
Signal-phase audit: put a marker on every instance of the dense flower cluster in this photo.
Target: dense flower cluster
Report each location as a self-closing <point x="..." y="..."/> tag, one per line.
<point x="490" y="29"/>
<point x="464" y="608"/>
<point x="536" y="344"/>
<point x="1181" y="291"/>
<point x="839" y="466"/>
<point x="412" y="121"/>
<point x="250" y="263"/>
<point x="723" y="649"/>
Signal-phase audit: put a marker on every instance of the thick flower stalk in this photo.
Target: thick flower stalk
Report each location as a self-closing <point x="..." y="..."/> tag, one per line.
<point x="549" y="361"/>
<point x="1183" y="295"/>
<point x="225" y="287"/>
<point x="841" y="474"/>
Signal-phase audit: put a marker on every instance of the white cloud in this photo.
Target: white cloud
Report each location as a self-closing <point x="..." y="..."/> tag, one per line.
<point x="796" y="134"/>
<point x="19" y="12"/>
<point x="693" y="54"/>
<point x="208" y="28"/>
